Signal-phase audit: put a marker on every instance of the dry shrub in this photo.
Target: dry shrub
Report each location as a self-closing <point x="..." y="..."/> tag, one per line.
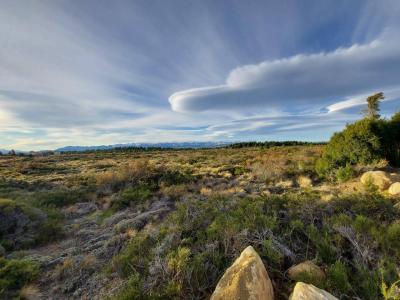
<point x="88" y="261"/>
<point x="109" y="181"/>
<point x="64" y="269"/>
<point x="268" y="171"/>
<point x="174" y="191"/>
<point x="205" y="191"/>
<point x="29" y="292"/>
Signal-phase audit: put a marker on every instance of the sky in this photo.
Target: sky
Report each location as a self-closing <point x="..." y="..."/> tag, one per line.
<point x="97" y="72"/>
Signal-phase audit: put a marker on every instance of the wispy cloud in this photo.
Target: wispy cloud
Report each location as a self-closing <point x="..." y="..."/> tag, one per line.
<point x="93" y="72"/>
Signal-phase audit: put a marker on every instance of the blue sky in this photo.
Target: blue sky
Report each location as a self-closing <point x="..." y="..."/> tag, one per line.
<point x="103" y="72"/>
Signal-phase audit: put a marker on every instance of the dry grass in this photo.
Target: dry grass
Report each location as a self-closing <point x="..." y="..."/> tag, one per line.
<point x="29" y="292"/>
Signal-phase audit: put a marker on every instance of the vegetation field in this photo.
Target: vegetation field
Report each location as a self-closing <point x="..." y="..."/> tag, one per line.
<point x="167" y="224"/>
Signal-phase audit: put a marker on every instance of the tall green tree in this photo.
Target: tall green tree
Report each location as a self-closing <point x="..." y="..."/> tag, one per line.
<point x="373" y="103"/>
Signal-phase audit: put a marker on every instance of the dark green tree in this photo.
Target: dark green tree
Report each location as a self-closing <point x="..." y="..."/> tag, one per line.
<point x="373" y="102"/>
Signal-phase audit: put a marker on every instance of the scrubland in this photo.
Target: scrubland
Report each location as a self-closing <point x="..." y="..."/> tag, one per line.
<point x="166" y="224"/>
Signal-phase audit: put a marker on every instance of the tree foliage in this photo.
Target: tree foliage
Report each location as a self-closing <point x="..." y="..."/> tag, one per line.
<point x="366" y="141"/>
<point x="373" y="102"/>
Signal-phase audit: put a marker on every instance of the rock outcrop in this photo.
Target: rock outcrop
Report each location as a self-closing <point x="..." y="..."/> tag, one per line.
<point x="379" y="178"/>
<point x="303" y="291"/>
<point x="394" y="189"/>
<point x="246" y="279"/>
<point x="306" y="271"/>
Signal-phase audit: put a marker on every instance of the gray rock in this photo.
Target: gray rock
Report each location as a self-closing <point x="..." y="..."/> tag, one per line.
<point x="80" y="209"/>
<point x="117" y="217"/>
<point x="54" y="262"/>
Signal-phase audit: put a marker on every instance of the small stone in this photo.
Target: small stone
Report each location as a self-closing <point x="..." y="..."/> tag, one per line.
<point x="394" y="189"/>
<point x="306" y="271"/>
<point x="379" y="178"/>
<point x="303" y="291"/>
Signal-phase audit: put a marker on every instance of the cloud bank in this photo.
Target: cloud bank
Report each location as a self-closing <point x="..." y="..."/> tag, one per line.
<point x="303" y="81"/>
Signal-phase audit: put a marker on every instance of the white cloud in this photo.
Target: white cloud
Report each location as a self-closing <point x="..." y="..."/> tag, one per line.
<point x="302" y="81"/>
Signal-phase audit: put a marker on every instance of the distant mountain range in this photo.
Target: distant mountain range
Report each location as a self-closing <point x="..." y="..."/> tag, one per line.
<point x="172" y="145"/>
<point x="5" y="151"/>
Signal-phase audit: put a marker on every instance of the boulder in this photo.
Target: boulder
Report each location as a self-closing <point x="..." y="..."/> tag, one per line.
<point x="303" y="291"/>
<point x="306" y="271"/>
<point x="246" y="279"/>
<point x="379" y="178"/>
<point x="394" y="189"/>
<point x="304" y="181"/>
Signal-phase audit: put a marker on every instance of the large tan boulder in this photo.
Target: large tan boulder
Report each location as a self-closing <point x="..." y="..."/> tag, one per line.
<point x="303" y="291"/>
<point x="306" y="271"/>
<point x="394" y="189"/>
<point x="246" y="279"/>
<point x="379" y="178"/>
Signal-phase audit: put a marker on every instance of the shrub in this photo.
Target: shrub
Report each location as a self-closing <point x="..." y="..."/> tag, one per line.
<point x="131" y="290"/>
<point x="136" y="256"/>
<point x="200" y="239"/>
<point x="127" y="174"/>
<point x="38" y="225"/>
<point x="366" y="141"/>
<point x="391" y="292"/>
<point x="132" y="196"/>
<point x="359" y="143"/>
<point x="16" y="273"/>
<point x="392" y="240"/>
<point x="345" y="173"/>
<point x="323" y="244"/>
<point x="60" y="197"/>
<point x="337" y="277"/>
<point x="178" y="261"/>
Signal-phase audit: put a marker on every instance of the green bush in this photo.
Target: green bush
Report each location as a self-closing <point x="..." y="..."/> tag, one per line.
<point x="338" y="278"/>
<point x="42" y="225"/>
<point x="60" y="197"/>
<point x="359" y="143"/>
<point x="132" y="196"/>
<point x="366" y="141"/>
<point x="169" y="178"/>
<point x="200" y="239"/>
<point x="345" y="173"/>
<point x="135" y="258"/>
<point x="14" y="274"/>
<point x="131" y="290"/>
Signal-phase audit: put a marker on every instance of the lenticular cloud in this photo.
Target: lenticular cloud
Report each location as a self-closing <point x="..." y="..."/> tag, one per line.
<point x="318" y="80"/>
